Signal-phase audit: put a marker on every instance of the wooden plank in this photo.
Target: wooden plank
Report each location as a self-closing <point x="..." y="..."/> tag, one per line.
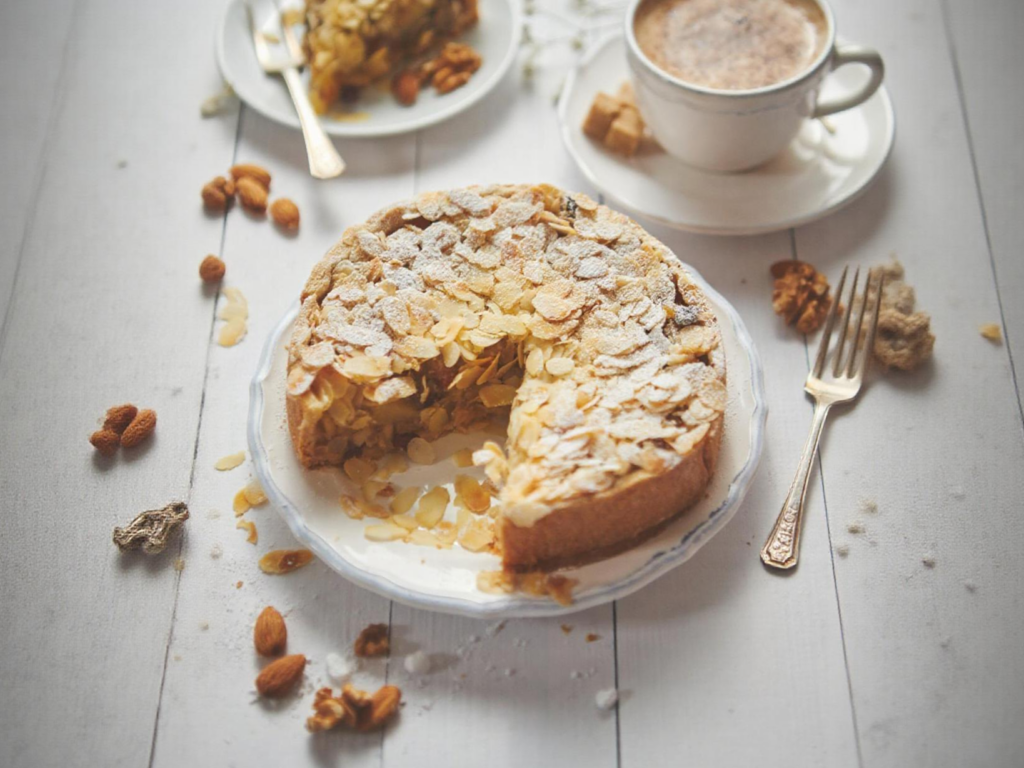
<point x="204" y="717"/>
<point x="538" y="714"/>
<point x="936" y="668"/>
<point x="989" y="60"/>
<point x="739" y="660"/>
<point x="105" y="309"/>
<point x="29" y="102"/>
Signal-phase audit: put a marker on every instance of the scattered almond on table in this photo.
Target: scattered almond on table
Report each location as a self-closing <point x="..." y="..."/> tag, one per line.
<point x="280" y="677"/>
<point x="218" y="193"/>
<point x="250" y="526"/>
<point x="285" y="213"/>
<point x="270" y="633"/>
<point x="141" y="427"/>
<point x="211" y="269"/>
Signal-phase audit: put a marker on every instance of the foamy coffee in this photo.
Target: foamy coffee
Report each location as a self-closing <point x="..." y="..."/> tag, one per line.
<point x="732" y="45"/>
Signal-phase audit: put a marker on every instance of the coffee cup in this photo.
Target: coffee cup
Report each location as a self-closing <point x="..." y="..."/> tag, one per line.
<point x="713" y="119"/>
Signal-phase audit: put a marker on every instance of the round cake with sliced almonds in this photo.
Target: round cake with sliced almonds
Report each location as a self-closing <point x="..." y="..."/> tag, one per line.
<point x="531" y="312"/>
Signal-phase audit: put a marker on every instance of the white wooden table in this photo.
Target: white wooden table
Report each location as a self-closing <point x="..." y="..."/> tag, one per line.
<point x="868" y="660"/>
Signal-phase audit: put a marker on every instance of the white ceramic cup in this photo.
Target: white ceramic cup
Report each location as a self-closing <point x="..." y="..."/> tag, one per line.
<point x="721" y="130"/>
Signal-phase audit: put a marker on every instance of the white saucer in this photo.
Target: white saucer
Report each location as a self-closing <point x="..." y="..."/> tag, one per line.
<point x="495" y="37"/>
<point x="445" y="580"/>
<point x="819" y="173"/>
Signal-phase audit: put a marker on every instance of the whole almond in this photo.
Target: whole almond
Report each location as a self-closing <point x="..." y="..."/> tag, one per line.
<point x="119" y="417"/>
<point x="250" y="171"/>
<point x="270" y="635"/>
<point x="279" y="677"/>
<point x="142" y="426"/>
<point x="252" y="194"/>
<point x="105" y="441"/>
<point x="211" y="269"/>
<point x="218" y="193"/>
<point x="285" y="213"/>
<point x="383" y="705"/>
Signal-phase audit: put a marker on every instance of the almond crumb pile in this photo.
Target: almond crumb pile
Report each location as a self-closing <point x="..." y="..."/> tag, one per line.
<point x="904" y="338"/>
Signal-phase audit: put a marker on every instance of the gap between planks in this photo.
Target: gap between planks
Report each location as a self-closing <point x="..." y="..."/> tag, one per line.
<point x="961" y="99"/>
<point x="195" y="456"/>
<point x="831" y="552"/>
<point x="56" y="104"/>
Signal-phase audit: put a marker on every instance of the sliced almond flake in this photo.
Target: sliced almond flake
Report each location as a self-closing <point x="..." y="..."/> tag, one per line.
<point x="421" y="452"/>
<point x="560" y="366"/>
<point x="230" y="461"/>
<point x="389" y="390"/>
<point x="386" y="531"/>
<point x="232" y="332"/>
<point x="249" y="526"/>
<point x="318" y="355"/>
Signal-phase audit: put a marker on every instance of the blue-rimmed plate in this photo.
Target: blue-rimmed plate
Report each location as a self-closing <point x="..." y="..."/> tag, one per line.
<point x="445" y="579"/>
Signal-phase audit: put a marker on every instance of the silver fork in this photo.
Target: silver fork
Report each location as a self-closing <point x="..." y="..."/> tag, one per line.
<point x="841" y="385"/>
<point x="324" y="160"/>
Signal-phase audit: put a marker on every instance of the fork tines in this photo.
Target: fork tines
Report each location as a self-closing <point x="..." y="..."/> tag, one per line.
<point x="850" y="360"/>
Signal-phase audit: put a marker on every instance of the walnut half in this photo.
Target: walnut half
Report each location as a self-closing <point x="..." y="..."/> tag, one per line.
<point x="800" y="295"/>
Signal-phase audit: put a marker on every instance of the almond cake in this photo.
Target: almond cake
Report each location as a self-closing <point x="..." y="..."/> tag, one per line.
<point x="531" y="312"/>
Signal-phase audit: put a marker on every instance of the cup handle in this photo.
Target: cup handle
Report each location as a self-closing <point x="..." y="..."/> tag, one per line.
<point x="853" y="54"/>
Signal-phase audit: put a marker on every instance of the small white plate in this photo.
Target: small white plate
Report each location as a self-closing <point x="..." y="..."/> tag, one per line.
<point x="819" y="172"/>
<point x="445" y="579"/>
<point x="495" y="37"/>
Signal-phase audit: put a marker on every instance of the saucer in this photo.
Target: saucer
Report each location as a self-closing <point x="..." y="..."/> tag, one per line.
<point x="445" y="579"/>
<point x="495" y="37"/>
<point x="828" y="164"/>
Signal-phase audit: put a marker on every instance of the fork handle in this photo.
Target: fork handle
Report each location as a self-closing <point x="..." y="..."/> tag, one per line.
<point x="324" y="160"/>
<point x="783" y="545"/>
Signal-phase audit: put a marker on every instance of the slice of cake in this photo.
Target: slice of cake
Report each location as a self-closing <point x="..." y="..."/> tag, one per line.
<point x="353" y="43"/>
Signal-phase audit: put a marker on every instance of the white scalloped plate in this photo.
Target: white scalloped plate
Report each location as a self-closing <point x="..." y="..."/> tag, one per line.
<point x="445" y="580"/>
<point x="496" y="37"/>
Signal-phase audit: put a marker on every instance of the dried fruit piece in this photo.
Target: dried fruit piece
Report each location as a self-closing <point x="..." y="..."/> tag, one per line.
<point x="252" y="195"/>
<point x="279" y="677"/>
<point x="106" y="441"/>
<point x="250" y="171"/>
<point x="211" y="269"/>
<point x="270" y="634"/>
<point x="285" y="213"/>
<point x="151" y="529"/>
<point x="800" y="295"/>
<point x="218" y="193"/>
<point x="372" y="641"/>
<point x="406" y="87"/>
<point x="250" y="526"/>
<point x="119" y="417"/>
<point x="141" y="427"/>
<point x="281" y="561"/>
<point x="231" y="461"/>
